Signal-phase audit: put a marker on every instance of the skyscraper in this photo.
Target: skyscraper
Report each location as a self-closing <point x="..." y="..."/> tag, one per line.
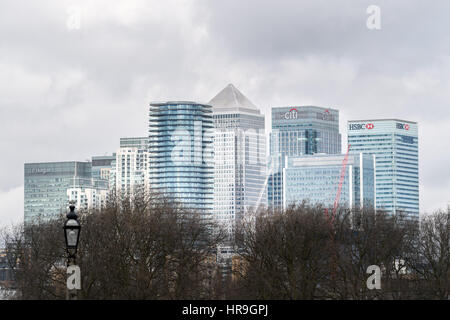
<point x="130" y="173"/>
<point x="181" y="153"/>
<point x="101" y="170"/>
<point x="395" y="146"/>
<point x="316" y="178"/>
<point x="298" y="131"/>
<point x="239" y="156"/>
<point x="46" y="184"/>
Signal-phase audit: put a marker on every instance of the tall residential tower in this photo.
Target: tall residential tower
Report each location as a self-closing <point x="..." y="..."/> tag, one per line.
<point x="181" y="153"/>
<point x="130" y="169"/>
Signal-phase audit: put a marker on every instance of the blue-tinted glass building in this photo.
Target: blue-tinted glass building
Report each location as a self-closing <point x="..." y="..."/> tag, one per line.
<point x="299" y="131"/>
<point x="46" y="184"/>
<point x="101" y="170"/>
<point x="316" y="179"/>
<point x="181" y="153"/>
<point x="134" y="142"/>
<point x="395" y="146"/>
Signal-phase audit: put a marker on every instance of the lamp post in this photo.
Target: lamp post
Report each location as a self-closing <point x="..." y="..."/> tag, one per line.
<point x="72" y="230"/>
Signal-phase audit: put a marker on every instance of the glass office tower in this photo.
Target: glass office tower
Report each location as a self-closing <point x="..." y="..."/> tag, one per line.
<point x="134" y="142"/>
<point x="46" y="186"/>
<point x="316" y="179"/>
<point x="298" y="131"/>
<point x="395" y="146"/>
<point x="101" y="170"/>
<point x="181" y="153"/>
<point x="239" y="156"/>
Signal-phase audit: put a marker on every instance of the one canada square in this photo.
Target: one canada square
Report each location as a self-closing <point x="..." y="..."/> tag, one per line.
<point x="239" y="154"/>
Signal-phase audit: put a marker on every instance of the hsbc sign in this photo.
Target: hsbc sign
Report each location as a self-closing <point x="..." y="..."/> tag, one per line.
<point x="402" y="126"/>
<point x="361" y="126"/>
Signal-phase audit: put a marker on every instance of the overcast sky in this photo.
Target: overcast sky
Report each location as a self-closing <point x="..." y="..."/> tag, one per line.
<point x="69" y="91"/>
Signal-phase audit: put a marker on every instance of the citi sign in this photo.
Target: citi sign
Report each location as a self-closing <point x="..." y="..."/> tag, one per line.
<point x="291" y="114"/>
<point x="361" y="126"/>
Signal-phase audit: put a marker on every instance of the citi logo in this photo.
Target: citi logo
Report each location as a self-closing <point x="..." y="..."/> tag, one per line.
<point x="292" y="114"/>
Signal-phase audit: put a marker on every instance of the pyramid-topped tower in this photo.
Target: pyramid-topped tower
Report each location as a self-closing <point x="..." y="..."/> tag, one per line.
<point x="230" y="99"/>
<point x="240" y="159"/>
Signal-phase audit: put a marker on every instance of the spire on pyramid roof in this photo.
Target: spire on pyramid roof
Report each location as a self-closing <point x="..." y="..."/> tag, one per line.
<point x="231" y="99"/>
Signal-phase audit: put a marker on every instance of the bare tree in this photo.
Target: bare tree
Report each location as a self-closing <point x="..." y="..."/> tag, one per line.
<point x="429" y="257"/>
<point x="284" y="252"/>
<point x="36" y="255"/>
<point x="139" y="248"/>
<point x="366" y="237"/>
<point x="147" y="247"/>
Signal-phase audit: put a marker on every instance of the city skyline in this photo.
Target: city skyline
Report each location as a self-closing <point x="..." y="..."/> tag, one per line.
<point x="77" y="98"/>
<point x="220" y="143"/>
<point x="224" y="103"/>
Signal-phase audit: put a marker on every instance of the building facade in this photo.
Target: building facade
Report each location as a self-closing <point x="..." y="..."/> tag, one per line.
<point x="6" y="273"/>
<point x="316" y="179"/>
<point x="46" y="185"/>
<point x="130" y="173"/>
<point x="395" y="146"/>
<point x="87" y="198"/>
<point x="299" y="131"/>
<point x="134" y="142"/>
<point x="181" y="154"/>
<point x="239" y="157"/>
<point x="101" y="170"/>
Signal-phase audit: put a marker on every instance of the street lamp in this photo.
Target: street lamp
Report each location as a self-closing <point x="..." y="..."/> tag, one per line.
<point x="72" y="230"/>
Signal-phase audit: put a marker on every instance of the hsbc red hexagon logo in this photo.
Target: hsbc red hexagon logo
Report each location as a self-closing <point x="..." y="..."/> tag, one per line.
<point x="402" y="126"/>
<point x="370" y="126"/>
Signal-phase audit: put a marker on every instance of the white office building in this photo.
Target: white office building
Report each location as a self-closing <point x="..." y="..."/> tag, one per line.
<point x="87" y="198"/>
<point x="239" y="157"/>
<point x="130" y="170"/>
